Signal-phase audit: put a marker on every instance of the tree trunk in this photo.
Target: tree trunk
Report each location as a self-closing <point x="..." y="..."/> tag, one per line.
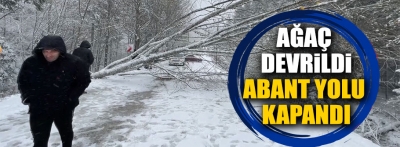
<point x="92" y="34"/>
<point x="137" y="25"/>
<point x="99" y="48"/>
<point x="72" y="43"/>
<point x="106" y="52"/>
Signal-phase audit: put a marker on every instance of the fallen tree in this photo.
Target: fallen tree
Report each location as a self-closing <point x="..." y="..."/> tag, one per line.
<point x="144" y="53"/>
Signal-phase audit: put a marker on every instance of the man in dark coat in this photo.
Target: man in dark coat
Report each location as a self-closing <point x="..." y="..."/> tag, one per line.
<point x="84" y="53"/>
<point x="51" y="82"/>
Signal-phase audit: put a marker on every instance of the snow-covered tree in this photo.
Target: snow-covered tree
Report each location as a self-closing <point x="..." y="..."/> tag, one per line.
<point x="10" y="6"/>
<point x="8" y="69"/>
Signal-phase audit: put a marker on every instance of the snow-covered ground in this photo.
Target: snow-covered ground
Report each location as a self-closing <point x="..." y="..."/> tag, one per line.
<point x="140" y="110"/>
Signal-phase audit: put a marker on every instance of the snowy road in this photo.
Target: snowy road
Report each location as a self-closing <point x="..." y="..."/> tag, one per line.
<point x="139" y="110"/>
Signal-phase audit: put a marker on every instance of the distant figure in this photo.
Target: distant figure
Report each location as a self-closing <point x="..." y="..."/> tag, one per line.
<point x="84" y="53"/>
<point x="51" y="82"/>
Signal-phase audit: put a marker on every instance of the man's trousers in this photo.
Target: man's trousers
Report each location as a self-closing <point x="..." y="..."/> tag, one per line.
<point x="41" y="127"/>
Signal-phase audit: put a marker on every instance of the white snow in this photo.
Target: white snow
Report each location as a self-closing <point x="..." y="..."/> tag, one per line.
<point x="139" y="110"/>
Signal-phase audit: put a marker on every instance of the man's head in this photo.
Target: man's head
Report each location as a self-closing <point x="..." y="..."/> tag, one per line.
<point x="51" y="47"/>
<point x="50" y="54"/>
<point x="85" y="44"/>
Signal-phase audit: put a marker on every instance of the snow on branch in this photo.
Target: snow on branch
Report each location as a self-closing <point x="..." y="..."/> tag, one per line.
<point x="224" y="34"/>
<point x="151" y="45"/>
<point x="244" y="25"/>
<point x="187" y="29"/>
<point x="381" y="130"/>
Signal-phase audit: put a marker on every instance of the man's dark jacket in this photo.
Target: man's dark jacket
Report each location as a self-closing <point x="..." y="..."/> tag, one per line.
<point x="48" y="87"/>
<point x="84" y="53"/>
